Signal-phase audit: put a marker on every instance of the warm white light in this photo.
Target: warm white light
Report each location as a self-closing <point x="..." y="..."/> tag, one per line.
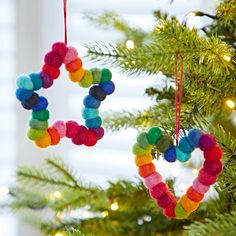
<point x="147" y="218"/>
<point x="56" y="194"/>
<point x="59" y="234"/>
<point x="140" y="222"/>
<point x="227" y="58"/>
<point x="86" y="214"/>
<point x="105" y="214"/>
<point x="175" y="172"/>
<point x="195" y="171"/>
<point x="160" y="73"/>
<point x="4" y="190"/>
<point x="230" y="103"/>
<point x="191" y="14"/>
<point x="129" y="44"/>
<point x="115" y="206"/>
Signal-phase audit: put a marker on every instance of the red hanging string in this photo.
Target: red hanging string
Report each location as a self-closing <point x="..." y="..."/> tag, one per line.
<point x="65" y="26"/>
<point x="178" y="92"/>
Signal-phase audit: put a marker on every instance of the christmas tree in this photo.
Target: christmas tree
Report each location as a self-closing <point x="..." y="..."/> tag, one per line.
<point x="209" y="90"/>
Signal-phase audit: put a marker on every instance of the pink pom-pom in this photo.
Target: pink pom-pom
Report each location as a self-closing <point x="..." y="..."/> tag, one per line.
<point x="60" y="48"/>
<point x="53" y="59"/>
<point x="152" y="180"/>
<point x="164" y="200"/>
<point x="212" y="167"/>
<point x="60" y="126"/>
<point x="72" y="129"/>
<point x="199" y="187"/>
<point x="206" y="142"/>
<point x="70" y="56"/>
<point x="205" y="178"/>
<point x="158" y="190"/>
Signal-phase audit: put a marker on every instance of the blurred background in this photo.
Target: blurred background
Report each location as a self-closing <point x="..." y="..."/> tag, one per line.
<point x="27" y="30"/>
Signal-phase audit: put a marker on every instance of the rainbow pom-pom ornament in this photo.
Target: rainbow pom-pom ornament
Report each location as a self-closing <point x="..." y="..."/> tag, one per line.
<point x="101" y="85"/>
<point x="159" y="191"/>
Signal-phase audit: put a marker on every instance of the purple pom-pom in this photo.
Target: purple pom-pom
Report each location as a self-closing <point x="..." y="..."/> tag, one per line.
<point x="206" y="142"/>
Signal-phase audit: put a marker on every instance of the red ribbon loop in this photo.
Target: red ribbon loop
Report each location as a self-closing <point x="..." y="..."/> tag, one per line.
<point x="65" y="26"/>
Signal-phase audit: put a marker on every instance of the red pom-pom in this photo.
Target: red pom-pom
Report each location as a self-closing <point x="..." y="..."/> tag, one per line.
<point x="169" y="211"/>
<point x="206" y="142"/>
<point x="79" y="139"/>
<point x="205" y="178"/>
<point x="164" y="200"/>
<point x="99" y="132"/>
<point x="72" y="129"/>
<point x="53" y="59"/>
<point x="51" y="71"/>
<point x="74" y="65"/>
<point x="60" y="48"/>
<point x="89" y="138"/>
<point x="212" y="167"/>
<point x="146" y="170"/>
<point x="213" y="154"/>
<point x="55" y="136"/>
<point x="158" y="190"/>
<point x="194" y="195"/>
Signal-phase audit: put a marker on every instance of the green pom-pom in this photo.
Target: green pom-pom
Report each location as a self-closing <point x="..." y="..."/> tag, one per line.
<point x="137" y="150"/>
<point x="97" y="75"/>
<point x="164" y="143"/>
<point x="87" y="79"/>
<point x="153" y="135"/>
<point x="143" y="141"/>
<point x="42" y="115"/>
<point x="35" y="134"/>
<point x="181" y="156"/>
<point x="106" y="75"/>
<point x="180" y="213"/>
<point x="37" y="124"/>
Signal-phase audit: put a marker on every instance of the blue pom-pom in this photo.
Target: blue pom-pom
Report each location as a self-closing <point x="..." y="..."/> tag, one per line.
<point x="185" y="146"/>
<point x="42" y="104"/>
<point x="23" y="94"/>
<point x="36" y="80"/>
<point x="24" y="82"/>
<point x="89" y="113"/>
<point x="194" y="136"/>
<point x="181" y="156"/>
<point x="91" y="102"/>
<point x="94" y="123"/>
<point x="108" y="87"/>
<point x="170" y="154"/>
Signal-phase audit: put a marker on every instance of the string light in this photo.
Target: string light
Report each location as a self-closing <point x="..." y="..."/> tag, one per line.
<point x="195" y="171"/>
<point x="129" y="44"/>
<point x="140" y="222"/>
<point x="230" y="103"/>
<point x="57" y="194"/>
<point x="227" y="58"/>
<point x="114" y="206"/>
<point x="105" y="214"/>
<point x="4" y="190"/>
<point x="191" y="14"/>
<point x="147" y="218"/>
<point x="59" y="234"/>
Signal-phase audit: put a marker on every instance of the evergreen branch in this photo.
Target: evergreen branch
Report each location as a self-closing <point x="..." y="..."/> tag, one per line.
<point x="74" y="232"/>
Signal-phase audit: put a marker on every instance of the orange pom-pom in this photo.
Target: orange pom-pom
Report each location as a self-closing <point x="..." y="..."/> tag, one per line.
<point x="74" y="65"/>
<point x="188" y="205"/>
<point x="55" y="136"/>
<point x="78" y="75"/>
<point x="194" y="195"/>
<point x="44" y="142"/>
<point x="146" y="170"/>
<point x="143" y="160"/>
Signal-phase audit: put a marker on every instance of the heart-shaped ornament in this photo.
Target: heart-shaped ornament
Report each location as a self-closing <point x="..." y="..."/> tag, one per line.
<point x="172" y="207"/>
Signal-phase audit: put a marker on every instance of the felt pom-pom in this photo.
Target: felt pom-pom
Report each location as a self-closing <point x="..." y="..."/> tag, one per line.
<point x="61" y="127"/>
<point x="25" y="106"/>
<point x="53" y="59"/>
<point x="164" y="143"/>
<point x="143" y="160"/>
<point x="99" y="132"/>
<point x="97" y="75"/>
<point x="194" y="136"/>
<point x="137" y="150"/>
<point x="87" y="79"/>
<point x="34" y="134"/>
<point x="79" y="138"/>
<point x="194" y="195"/>
<point x="142" y="140"/>
<point x="41" y="115"/>
<point x="47" y="81"/>
<point x="188" y="205"/>
<point x="89" y="113"/>
<point x="36" y="80"/>
<point x="206" y="142"/>
<point x="108" y="87"/>
<point x="37" y="124"/>
<point x="170" y="154"/>
<point x="23" y="94"/>
<point x="213" y="154"/>
<point x="32" y="101"/>
<point x="158" y="190"/>
<point x="55" y="136"/>
<point x="89" y="138"/>
<point x="106" y="75"/>
<point x="152" y="180"/>
<point x="180" y="212"/>
<point x="74" y="65"/>
<point x="24" y="82"/>
<point x="91" y="102"/>
<point x="169" y="211"/>
<point x="41" y="104"/>
<point x="60" y="48"/>
<point x="72" y="129"/>
<point x="181" y="156"/>
<point x="199" y="187"/>
<point x="70" y="56"/>
<point x="184" y="145"/>
<point x="164" y="200"/>
<point x="45" y="141"/>
<point x="205" y="178"/>
<point x="153" y="135"/>
<point x="94" y="123"/>
<point x="53" y="72"/>
<point x="78" y="75"/>
<point x="146" y="170"/>
<point x="97" y="92"/>
<point x="212" y="167"/>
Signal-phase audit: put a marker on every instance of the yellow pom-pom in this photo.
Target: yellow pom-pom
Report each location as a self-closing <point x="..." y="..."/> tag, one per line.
<point x="44" y="142"/>
<point x="77" y="76"/>
<point x="188" y="204"/>
<point x="143" y="160"/>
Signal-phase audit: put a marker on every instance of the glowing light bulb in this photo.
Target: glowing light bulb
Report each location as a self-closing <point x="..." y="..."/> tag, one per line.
<point x="105" y="214"/>
<point x="230" y="103"/>
<point x="227" y="58"/>
<point x="195" y="171"/>
<point x="59" y="234"/>
<point x="57" y="194"/>
<point x="114" y="206"/>
<point x="191" y="14"/>
<point x="129" y="44"/>
<point x="4" y="190"/>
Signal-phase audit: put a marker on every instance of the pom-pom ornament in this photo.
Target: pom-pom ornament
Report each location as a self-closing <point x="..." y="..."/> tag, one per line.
<point x="158" y="190"/>
<point x="40" y="131"/>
